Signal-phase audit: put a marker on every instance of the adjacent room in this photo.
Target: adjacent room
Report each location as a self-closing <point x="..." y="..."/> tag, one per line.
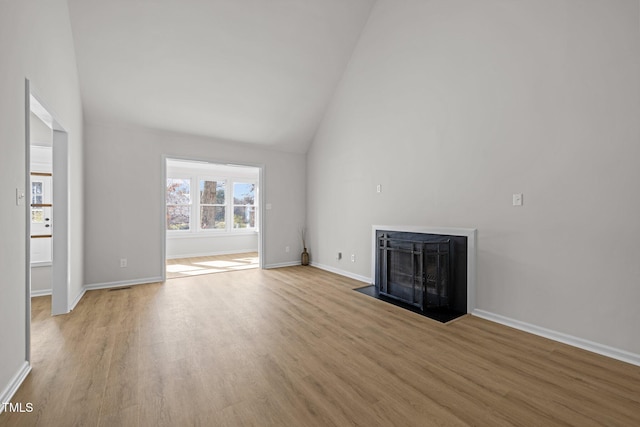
<point x="319" y="212"/>
<point x="213" y="218"/>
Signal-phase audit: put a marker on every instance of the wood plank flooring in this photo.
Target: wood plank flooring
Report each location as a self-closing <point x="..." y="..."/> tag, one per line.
<point x="298" y="347"/>
<point x="196" y="266"/>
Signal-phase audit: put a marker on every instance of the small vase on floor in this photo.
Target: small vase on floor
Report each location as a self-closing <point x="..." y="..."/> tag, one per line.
<point x="305" y="257"/>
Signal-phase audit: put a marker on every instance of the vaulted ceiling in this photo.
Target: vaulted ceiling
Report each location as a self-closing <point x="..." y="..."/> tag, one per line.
<point x="252" y="71"/>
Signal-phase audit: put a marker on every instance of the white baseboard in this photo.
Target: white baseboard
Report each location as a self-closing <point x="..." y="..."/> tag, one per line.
<point x="237" y="251"/>
<point x="282" y="264"/>
<point x="14" y="384"/>
<point x="343" y="273"/>
<point x="594" y="347"/>
<point x="78" y="298"/>
<point x="121" y="283"/>
<point x="614" y="353"/>
<point x="40" y="293"/>
<point x="46" y="292"/>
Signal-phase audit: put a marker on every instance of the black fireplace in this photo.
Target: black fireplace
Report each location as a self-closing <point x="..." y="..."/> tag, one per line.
<point x="427" y="272"/>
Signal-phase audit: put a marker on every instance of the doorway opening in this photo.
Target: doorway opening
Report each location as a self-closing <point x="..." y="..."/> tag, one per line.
<point x="47" y="252"/>
<point x="213" y="217"/>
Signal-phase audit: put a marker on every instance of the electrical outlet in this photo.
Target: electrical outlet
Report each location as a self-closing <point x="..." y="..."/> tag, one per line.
<point x="517" y="199"/>
<point x="353" y="257"/>
<point x="287" y="248"/>
<point x="379" y="188"/>
<point x="123" y="262"/>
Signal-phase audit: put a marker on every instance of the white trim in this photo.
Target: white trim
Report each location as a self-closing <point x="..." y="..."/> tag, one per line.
<point x="14" y="384"/>
<point x="27" y="237"/>
<point x="236" y="251"/>
<point x="343" y="273"/>
<point x="591" y="346"/>
<point x="163" y="216"/>
<point x="61" y="261"/>
<point x="40" y="293"/>
<point x="208" y="234"/>
<point x="121" y="283"/>
<point x="78" y="298"/>
<point x="282" y="264"/>
<point x="469" y="233"/>
<point x="41" y="264"/>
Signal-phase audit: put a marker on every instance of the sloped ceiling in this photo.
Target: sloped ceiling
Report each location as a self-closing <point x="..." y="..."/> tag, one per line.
<point x="252" y="71"/>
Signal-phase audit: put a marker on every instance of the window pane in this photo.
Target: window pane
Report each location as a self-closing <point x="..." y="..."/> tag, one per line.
<point x="36" y="192"/>
<point x="178" y="191"/>
<point x="243" y="194"/>
<point x="212" y="192"/>
<point x="178" y="217"/>
<point x="212" y="217"/>
<point x="244" y="217"/>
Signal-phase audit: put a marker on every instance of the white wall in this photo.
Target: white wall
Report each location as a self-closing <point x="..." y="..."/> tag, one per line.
<point x="41" y="159"/>
<point x="454" y="106"/>
<point x="124" y="204"/>
<point x="39" y="133"/>
<point x="35" y="43"/>
<point x="41" y="280"/>
<point x="185" y="247"/>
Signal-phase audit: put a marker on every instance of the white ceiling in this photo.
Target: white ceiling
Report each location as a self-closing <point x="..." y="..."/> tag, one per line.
<point x="253" y="71"/>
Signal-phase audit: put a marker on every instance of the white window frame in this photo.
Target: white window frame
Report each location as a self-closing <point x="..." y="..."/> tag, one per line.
<point x="195" y="226"/>
<point x="185" y="178"/>
<point x="200" y="178"/>
<point x="254" y="205"/>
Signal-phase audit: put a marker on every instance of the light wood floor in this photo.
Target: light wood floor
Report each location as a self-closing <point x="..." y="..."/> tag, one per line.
<point x="187" y="267"/>
<point x="297" y="347"/>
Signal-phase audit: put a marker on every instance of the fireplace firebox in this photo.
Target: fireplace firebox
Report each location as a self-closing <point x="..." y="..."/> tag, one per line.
<point x="425" y="271"/>
<point x="414" y="271"/>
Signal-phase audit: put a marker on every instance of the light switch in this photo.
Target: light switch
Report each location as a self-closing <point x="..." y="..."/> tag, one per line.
<point x="268" y="206"/>
<point x="379" y="188"/>
<point x="517" y="199"/>
<point x="19" y="197"/>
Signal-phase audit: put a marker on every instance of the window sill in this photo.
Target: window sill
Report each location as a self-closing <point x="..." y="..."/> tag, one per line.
<point x="209" y="234"/>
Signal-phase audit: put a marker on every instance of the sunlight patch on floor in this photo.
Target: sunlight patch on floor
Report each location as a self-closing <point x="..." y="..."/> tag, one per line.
<point x="203" y="271"/>
<point x="219" y="264"/>
<point x="181" y="268"/>
<point x="184" y="267"/>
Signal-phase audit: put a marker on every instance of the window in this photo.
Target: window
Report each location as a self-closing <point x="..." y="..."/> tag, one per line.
<point x="178" y="204"/>
<point x="220" y="205"/>
<point x="244" y="205"/>
<point x="37" y="213"/>
<point x="212" y="204"/>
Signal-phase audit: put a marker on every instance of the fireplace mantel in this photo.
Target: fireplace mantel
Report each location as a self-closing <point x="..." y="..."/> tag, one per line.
<point x="469" y="233"/>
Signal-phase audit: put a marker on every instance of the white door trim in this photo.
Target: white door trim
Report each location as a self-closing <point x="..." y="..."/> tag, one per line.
<point x="62" y="202"/>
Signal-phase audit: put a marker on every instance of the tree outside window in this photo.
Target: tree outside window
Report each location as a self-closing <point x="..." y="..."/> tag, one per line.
<point x="178" y="204"/>
<point x="212" y="204"/>
<point x="221" y="205"/>
<point x="244" y="209"/>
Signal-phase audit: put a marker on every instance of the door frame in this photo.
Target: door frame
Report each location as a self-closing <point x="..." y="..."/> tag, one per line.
<point x="60" y="284"/>
<point x="261" y="203"/>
